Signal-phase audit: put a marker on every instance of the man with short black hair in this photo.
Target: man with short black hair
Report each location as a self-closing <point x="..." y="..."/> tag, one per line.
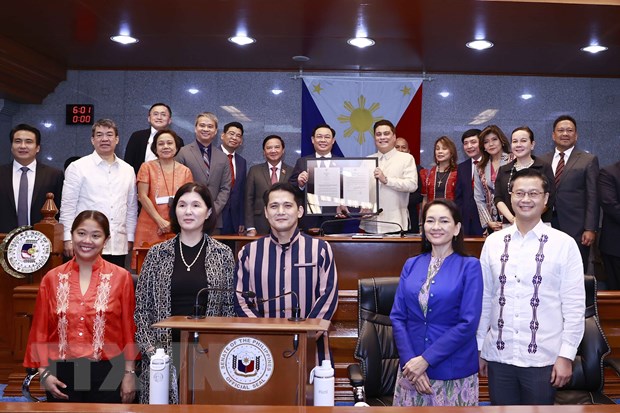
<point x="233" y="214"/>
<point x="576" y="209"/>
<point x="287" y="260"/>
<point x="464" y="193"/>
<point x="260" y="178"/>
<point x="138" y="149"/>
<point x="25" y="182"/>
<point x="533" y="301"/>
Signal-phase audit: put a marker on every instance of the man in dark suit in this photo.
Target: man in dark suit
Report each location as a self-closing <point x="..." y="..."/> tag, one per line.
<point x="576" y="210"/>
<point x="259" y="180"/>
<point x="323" y="140"/>
<point x="208" y="163"/>
<point x="233" y="215"/>
<point x="464" y="193"/>
<point x="609" y="198"/>
<point x="27" y="178"/>
<point x="138" y="148"/>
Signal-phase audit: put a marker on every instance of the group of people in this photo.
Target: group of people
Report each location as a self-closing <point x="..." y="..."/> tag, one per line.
<point x="454" y="316"/>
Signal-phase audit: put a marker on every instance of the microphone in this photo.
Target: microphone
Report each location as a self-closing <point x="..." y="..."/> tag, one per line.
<point x="197" y="315"/>
<point x="401" y="231"/>
<point x="349" y="217"/>
<point x="296" y="311"/>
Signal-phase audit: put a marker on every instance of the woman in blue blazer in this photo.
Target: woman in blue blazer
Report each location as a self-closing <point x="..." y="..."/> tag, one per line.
<point x="435" y="316"/>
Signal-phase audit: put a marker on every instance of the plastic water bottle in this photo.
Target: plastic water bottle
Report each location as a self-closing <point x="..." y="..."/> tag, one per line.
<point x="323" y="378"/>
<point x="159" y="377"/>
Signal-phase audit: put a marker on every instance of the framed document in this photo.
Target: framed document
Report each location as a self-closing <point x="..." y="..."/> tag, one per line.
<point x="341" y="181"/>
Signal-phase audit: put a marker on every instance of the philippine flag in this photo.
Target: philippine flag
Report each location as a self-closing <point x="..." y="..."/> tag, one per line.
<point x="352" y="105"/>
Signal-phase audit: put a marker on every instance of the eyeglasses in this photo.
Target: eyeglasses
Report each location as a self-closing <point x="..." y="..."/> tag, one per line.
<point x="531" y="194"/>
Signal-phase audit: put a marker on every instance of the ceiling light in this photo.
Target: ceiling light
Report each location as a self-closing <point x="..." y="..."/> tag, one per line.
<point x="124" y="39"/>
<point x="361" y="42"/>
<point x="444" y="94"/>
<point x="48" y="124"/>
<point x="49" y="158"/>
<point x="594" y="48"/>
<point x="526" y="96"/>
<point x="276" y="91"/>
<point x="193" y="91"/>
<point x="479" y="44"/>
<point x="242" y="40"/>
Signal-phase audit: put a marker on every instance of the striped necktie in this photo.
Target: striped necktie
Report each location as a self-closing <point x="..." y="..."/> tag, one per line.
<point x="559" y="169"/>
<point x="205" y="157"/>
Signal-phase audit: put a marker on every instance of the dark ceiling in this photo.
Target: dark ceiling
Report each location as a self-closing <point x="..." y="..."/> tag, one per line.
<point x="40" y="40"/>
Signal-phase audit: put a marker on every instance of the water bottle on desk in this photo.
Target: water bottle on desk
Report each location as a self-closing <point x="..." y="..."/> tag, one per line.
<point x="323" y="378"/>
<point x="159" y="377"/>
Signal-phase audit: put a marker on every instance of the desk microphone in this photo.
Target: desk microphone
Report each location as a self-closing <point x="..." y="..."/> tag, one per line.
<point x="349" y="217"/>
<point x="401" y="231"/>
<point x="197" y="315"/>
<point x="296" y="311"/>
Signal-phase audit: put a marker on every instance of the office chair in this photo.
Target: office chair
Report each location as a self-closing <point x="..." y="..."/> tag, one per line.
<point x="586" y="384"/>
<point x="374" y="378"/>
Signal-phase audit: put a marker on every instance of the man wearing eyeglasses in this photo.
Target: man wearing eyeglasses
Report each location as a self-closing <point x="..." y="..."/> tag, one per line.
<point x="323" y="140"/>
<point x="533" y="302"/>
<point x="233" y="219"/>
<point x="576" y="210"/>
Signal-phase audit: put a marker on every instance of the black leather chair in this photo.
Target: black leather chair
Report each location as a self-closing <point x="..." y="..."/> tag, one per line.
<point x="586" y="385"/>
<point x="374" y="378"/>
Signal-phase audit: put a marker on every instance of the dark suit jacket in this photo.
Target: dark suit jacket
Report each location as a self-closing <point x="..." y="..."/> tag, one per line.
<point x="219" y="176"/>
<point x="503" y="178"/>
<point x="609" y="198"/>
<point x="576" y="198"/>
<point x="47" y="179"/>
<point x="136" y="148"/>
<point x="464" y="198"/>
<point x="233" y="214"/>
<point x="257" y="183"/>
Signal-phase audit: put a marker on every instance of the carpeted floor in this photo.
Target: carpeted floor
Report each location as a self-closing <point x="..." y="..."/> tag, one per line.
<point x="9" y="399"/>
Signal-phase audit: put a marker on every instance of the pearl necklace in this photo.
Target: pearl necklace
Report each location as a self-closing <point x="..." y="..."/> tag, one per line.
<point x="189" y="266"/>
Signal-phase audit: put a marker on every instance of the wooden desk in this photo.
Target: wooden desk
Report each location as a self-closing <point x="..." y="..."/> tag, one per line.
<point x="137" y="408"/>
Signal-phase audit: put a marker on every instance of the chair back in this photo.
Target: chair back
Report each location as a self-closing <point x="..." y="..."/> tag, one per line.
<point x="375" y="347"/>
<point x="588" y="364"/>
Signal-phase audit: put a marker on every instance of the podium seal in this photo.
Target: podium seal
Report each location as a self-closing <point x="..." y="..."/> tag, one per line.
<point x="246" y="364"/>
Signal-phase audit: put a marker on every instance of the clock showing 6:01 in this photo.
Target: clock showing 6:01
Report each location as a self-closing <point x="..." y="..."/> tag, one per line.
<point x="80" y="114"/>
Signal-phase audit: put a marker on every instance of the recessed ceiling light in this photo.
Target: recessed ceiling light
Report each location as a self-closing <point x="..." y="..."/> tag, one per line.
<point x="193" y="90"/>
<point x="594" y="48"/>
<point x="479" y="44"/>
<point x="49" y="158"/>
<point x="361" y="42"/>
<point x="48" y="124"/>
<point x="444" y="94"/>
<point x="276" y="91"/>
<point x="242" y="40"/>
<point x="526" y="96"/>
<point x="124" y="39"/>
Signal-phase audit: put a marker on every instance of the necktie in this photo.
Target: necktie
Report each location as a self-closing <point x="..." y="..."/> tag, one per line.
<point x="473" y="171"/>
<point x="274" y="176"/>
<point x="22" y="202"/>
<point x="205" y="157"/>
<point x="232" y="169"/>
<point x="559" y="169"/>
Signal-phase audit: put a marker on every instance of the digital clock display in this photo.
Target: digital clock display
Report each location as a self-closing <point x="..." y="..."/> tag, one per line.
<point x="80" y="114"/>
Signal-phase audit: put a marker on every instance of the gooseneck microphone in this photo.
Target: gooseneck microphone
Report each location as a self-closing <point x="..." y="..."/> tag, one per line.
<point x="296" y="311"/>
<point x="197" y="306"/>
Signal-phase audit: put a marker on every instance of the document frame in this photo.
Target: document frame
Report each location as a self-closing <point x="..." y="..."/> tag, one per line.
<point x="334" y="182"/>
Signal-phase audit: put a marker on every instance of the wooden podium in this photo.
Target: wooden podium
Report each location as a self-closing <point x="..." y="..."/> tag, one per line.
<point x="246" y="361"/>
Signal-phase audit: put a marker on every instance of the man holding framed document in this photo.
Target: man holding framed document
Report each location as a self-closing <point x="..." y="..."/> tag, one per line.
<point x="397" y="176"/>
